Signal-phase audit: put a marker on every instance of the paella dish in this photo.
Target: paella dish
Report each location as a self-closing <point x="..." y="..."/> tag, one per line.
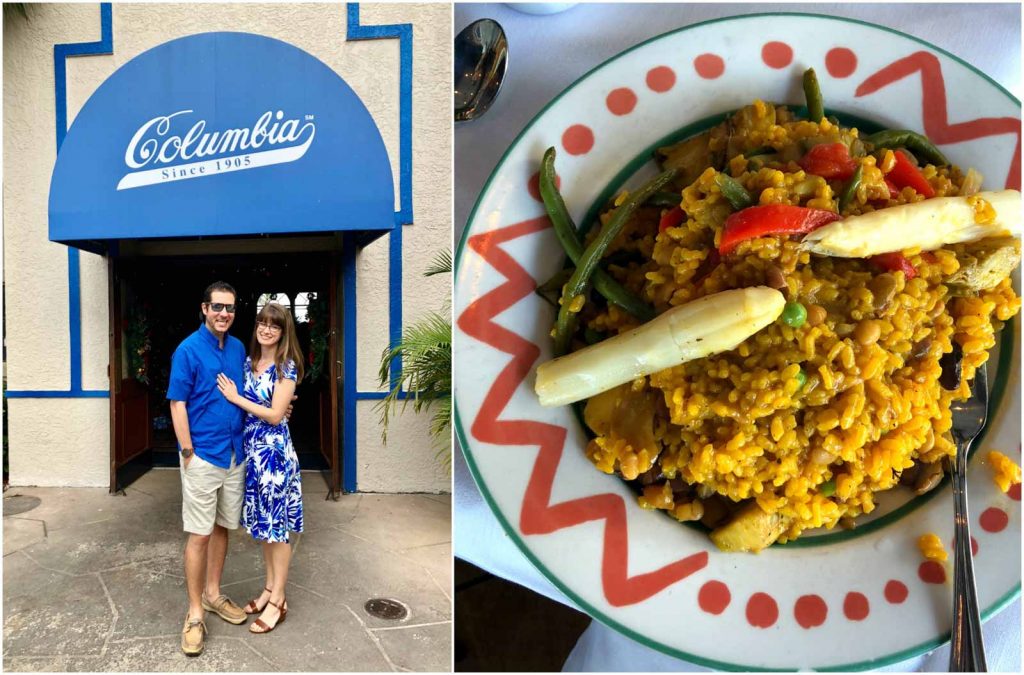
<point x="771" y="331"/>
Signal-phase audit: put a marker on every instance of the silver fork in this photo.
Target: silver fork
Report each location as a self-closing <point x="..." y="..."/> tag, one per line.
<point x="967" y="646"/>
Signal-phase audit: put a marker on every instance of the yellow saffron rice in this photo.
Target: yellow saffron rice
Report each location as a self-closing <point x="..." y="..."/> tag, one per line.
<point x="810" y="422"/>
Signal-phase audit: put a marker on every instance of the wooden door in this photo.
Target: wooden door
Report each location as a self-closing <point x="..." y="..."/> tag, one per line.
<point x="134" y="430"/>
<point x="130" y="427"/>
<point x="114" y="365"/>
<point x="330" y="396"/>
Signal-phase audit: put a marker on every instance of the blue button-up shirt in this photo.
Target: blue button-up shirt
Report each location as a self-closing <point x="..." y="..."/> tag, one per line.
<point x="215" y="425"/>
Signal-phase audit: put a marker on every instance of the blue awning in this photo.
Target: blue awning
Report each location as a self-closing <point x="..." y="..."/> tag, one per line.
<point x="220" y="134"/>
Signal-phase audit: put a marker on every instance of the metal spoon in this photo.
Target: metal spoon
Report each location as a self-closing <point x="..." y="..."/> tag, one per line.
<point x="481" y="54"/>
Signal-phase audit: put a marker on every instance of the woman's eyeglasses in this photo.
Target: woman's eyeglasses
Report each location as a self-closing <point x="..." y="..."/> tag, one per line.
<point x="273" y="328"/>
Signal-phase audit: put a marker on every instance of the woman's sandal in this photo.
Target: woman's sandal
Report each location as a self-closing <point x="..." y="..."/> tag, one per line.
<point x="262" y="626"/>
<point x="253" y="608"/>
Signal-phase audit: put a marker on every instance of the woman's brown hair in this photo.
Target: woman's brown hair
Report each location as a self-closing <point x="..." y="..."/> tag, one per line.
<point x="287" y="346"/>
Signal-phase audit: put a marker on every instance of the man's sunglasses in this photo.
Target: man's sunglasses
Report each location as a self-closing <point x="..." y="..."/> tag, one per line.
<point x="221" y="307"/>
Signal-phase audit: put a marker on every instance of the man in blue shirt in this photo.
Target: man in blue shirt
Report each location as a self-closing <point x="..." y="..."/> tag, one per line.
<point x="209" y="432"/>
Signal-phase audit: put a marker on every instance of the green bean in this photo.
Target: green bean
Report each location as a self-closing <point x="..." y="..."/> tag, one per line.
<point x="568" y="237"/>
<point x="913" y="141"/>
<point x="850" y="191"/>
<point x="565" y="231"/>
<point x="592" y="255"/>
<point x="763" y="150"/>
<point x="812" y="92"/>
<point x="734" y="192"/>
<point x="665" y="199"/>
<point x="802" y="378"/>
<point x="828" y="488"/>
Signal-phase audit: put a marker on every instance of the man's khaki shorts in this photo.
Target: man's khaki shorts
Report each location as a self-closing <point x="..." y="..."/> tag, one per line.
<point x="211" y="494"/>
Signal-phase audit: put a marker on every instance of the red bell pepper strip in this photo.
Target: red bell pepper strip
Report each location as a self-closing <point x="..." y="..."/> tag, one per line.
<point x="895" y="262"/>
<point x="830" y="161"/>
<point x="763" y="221"/>
<point x="904" y="173"/>
<point x="894" y="191"/>
<point x="671" y="218"/>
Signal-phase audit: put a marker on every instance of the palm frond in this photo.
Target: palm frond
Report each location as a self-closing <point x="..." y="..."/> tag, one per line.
<point x="12" y="9"/>
<point x="441" y="264"/>
<point x="426" y="374"/>
<point x="423" y="341"/>
<point x="425" y="350"/>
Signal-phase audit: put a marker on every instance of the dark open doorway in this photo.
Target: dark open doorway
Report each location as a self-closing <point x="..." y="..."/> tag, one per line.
<point x="155" y="303"/>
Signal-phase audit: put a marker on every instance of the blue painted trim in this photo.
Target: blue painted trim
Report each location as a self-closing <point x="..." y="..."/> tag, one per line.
<point x="403" y="32"/>
<point x="60" y="53"/>
<point x="380" y="395"/>
<point x="404" y="216"/>
<point x="75" y="317"/>
<point x="395" y="300"/>
<point x="349" y="393"/>
<point x="57" y="394"/>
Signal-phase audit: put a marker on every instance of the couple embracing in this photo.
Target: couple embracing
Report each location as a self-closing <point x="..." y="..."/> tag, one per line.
<point x="238" y="465"/>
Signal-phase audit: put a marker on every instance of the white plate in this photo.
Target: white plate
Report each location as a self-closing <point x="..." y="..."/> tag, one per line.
<point x="838" y="600"/>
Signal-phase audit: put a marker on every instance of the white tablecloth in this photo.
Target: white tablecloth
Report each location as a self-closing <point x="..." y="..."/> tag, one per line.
<point x="986" y="36"/>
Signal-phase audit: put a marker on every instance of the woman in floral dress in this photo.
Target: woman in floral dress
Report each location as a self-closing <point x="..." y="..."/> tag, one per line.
<point x="273" y="487"/>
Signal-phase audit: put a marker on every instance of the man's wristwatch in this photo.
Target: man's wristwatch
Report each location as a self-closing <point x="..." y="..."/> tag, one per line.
<point x="187" y="452"/>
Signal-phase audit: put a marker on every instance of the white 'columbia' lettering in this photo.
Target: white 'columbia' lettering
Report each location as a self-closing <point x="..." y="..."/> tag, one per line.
<point x="198" y="152"/>
<point x="154" y="143"/>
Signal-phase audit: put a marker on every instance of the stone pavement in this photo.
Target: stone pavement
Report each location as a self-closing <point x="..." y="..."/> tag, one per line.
<point x="94" y="582"/>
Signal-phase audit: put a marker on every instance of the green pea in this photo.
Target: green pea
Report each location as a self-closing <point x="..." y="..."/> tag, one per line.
<point x="794" y="314"/>
<point x="801" y="378"/>
<point x="828" y="488"/>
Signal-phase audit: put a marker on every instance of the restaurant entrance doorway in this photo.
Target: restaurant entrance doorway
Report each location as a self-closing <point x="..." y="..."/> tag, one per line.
<point x="155" y="303"/>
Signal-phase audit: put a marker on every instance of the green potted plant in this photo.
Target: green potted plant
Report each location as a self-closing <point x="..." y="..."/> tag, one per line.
<point x="426" y="375"/>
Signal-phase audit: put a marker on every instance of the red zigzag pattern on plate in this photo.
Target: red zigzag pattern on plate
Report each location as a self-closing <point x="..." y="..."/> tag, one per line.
<point x="539" y="515"/>
<point x="933" y="107"/>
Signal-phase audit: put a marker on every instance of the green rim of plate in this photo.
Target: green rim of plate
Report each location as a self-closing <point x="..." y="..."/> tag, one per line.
<point x="512" y="532"/>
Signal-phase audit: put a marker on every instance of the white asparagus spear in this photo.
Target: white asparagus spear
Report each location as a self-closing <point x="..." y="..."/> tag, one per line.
<point x="929" y="225"/>
<point x="707" y="325"/>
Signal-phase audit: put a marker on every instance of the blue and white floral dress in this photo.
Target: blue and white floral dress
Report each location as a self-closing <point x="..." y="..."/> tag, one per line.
<point x="273" y="486"/>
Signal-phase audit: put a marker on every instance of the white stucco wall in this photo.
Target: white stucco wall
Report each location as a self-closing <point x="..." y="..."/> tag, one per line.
<point x="52" y="441"/>
<point x="408" y="459"/>
<point x="75" y="445"/>
<point x="59" y="441"/>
